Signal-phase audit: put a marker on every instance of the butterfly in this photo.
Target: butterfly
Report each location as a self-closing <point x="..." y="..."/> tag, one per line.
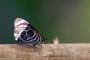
<point x="25" y="33"/>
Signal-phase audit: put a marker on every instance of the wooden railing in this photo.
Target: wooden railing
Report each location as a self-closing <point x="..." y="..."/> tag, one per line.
<point x="46" y="52"/>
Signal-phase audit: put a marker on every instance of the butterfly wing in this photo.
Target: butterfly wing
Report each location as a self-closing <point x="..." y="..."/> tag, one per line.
<point x="28" y="34"/>
<point x="34" y="37"/>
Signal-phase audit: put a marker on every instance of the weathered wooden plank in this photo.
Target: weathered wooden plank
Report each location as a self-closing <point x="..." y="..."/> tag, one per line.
<point x="47" y="52"/>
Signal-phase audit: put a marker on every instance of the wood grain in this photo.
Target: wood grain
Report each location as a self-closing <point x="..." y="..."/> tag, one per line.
<point x="47" y="52"/>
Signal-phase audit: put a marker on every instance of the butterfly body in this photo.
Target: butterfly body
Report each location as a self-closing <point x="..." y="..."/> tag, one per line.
<point x="25" y="33"/>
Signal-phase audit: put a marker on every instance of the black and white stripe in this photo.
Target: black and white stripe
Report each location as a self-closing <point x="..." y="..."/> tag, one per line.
<point x="26" y="33"/>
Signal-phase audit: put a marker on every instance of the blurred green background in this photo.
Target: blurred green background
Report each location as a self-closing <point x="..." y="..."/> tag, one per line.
<point x="66" y="19"/>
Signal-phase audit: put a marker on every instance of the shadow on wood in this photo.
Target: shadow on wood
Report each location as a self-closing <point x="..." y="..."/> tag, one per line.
<point x="47" y="52"/>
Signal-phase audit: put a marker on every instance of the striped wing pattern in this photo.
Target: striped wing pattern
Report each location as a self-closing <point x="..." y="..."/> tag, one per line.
<point x="30" y="35"/>
<point x="25" y="33"/>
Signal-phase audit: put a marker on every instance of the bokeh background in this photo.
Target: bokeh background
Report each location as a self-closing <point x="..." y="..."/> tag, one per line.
<point x="69" y="20"/>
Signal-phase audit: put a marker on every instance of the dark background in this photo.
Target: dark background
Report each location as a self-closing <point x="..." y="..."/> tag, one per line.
<point x="66" y="19"/>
